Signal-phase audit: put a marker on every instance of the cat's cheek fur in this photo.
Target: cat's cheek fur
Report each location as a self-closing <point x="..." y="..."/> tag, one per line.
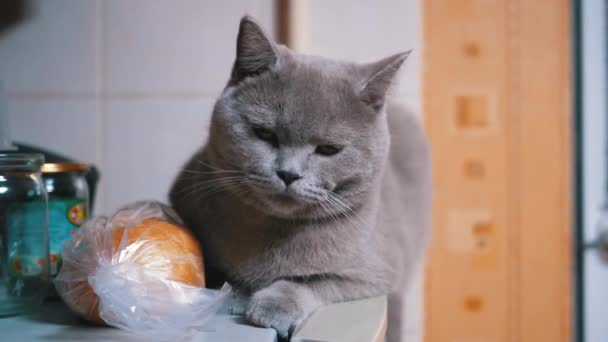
<point x="283" y="306"/>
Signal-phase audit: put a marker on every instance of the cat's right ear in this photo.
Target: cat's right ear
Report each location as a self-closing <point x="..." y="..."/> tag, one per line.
<point x="380" y="76"/>
<point x="255" y="52"/>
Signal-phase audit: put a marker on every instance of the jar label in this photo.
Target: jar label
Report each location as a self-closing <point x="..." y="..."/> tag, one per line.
<point x="65" y="218"/>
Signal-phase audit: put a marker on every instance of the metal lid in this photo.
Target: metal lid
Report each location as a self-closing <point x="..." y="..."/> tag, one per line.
<point x="64" y="167"/>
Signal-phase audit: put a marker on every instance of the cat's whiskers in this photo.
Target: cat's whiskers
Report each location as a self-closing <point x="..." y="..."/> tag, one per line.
<point x="196" y="186"/>
<point x="237" y="189"/>
<point x="214" y="167"/>
<point x="199" y="172"/>
<point x="321" y="200"/>
<point x="242" y="190"/>
<point x="259" y="178"/>
<point x="218" y="188"/>
<point x="338" y="209"/>
<point x="206" y="188"/>
<point x="260" y="182"/>
<point x="342" y="203"/>
<point x="309" y="199"/>
<point x="221" y="187"/>
<point x="331" y="216"/>
<point x="312" y="193"/>
<point x="194" y="175"/>
<point x="354" y="217"/>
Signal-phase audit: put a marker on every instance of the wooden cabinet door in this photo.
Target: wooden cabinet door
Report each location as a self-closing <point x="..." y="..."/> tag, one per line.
<point x="497" y="107"/>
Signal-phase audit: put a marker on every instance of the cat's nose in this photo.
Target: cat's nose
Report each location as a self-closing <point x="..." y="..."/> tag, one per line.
<point x="288" y="177"/>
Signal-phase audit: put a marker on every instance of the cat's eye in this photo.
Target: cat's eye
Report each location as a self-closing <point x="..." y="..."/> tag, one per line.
<point x="266" y="135"/>
<point x="328" y="150"/>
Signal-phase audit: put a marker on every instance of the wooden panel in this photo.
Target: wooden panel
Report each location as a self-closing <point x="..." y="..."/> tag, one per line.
<point x="497" y="111"/>
<point x="292" y="24"/>
<point x="546" y="165"/>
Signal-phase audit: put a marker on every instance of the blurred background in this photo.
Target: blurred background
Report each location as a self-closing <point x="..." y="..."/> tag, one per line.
<point x="512" y="94"/>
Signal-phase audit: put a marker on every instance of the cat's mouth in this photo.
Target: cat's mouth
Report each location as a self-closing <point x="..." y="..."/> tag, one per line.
<point x="301" y="200"/>
<point x="291" y="196"/>
<point x="295" y="194"/>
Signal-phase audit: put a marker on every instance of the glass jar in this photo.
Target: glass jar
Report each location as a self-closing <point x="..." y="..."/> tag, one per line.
<point x="24" y="246"/>
<point x="68" y="205"/>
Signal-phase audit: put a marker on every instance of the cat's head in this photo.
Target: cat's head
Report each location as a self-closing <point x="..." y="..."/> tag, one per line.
<point x="310" y="134"/>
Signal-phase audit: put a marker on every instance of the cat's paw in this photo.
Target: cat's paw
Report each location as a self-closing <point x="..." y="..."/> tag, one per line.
<point x="237" y="303"/>
<point x="276" y="309"/>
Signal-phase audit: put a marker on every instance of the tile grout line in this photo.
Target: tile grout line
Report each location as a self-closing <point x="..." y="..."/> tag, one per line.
<point x="99" y="101"/>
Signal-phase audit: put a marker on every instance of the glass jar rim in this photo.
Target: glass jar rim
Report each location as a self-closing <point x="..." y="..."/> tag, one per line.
<point x="21" y="161"/>
<point x="48" y="168"/>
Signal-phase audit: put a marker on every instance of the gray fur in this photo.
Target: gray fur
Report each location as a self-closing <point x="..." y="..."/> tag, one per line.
<point x="290" y="249"/>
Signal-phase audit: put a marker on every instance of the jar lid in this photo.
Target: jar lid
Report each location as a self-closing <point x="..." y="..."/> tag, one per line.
<point x="11" y="161"/>
<point x="64" y="167"/>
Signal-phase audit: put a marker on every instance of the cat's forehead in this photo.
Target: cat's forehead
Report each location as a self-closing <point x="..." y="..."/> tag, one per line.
<point x="309" y="105"/>
<point x="309" y="89"/>
<point x="316" y="87"/>
<point x="292" y="61"/>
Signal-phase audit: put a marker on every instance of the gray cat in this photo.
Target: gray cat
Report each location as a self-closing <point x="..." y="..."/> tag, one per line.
<point x="309" y="191"/>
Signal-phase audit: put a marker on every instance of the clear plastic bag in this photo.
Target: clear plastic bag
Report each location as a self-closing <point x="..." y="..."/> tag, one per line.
<point x="138" y="270"/>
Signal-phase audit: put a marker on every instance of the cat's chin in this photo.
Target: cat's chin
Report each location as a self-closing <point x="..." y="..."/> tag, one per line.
<point x="286" y="206"/>
<point x="281" y="205"/>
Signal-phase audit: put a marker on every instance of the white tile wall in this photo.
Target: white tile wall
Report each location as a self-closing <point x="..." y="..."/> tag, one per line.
<point x="173" y="47"/>
<point x="146" y="143"/>
<point x="53" y="51"/>
<point x="63" y="125"/>
<point x="365" y="31"/>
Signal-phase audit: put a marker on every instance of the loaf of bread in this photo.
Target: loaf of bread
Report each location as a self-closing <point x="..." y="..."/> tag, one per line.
<point x="140" y="270"/>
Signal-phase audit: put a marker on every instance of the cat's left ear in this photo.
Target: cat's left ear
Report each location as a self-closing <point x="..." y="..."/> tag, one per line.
<point x="255" y="51"/>
<point x="379" y="77"/>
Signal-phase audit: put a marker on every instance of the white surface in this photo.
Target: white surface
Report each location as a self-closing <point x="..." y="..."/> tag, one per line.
<point x="360" y="321"/>
<point x="594" y="159"/>
<point x="56" y="323"/>
<point x="356" y="321"/>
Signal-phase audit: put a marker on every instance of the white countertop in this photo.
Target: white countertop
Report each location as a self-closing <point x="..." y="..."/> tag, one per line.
<point x="358" y="321"/>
